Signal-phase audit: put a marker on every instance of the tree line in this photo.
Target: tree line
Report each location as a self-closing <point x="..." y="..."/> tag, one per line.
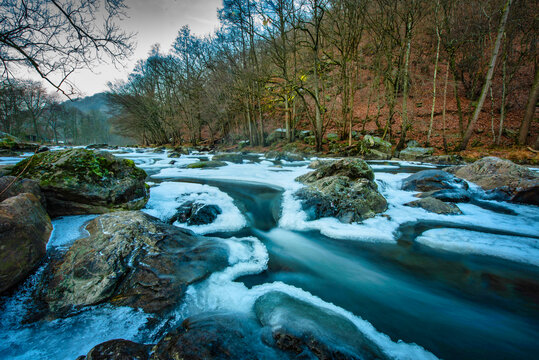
<point x="305" y="62"/>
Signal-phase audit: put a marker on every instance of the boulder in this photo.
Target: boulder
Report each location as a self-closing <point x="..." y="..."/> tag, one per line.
<point x="416" y="153"/>
<point x="432" y="180"/>
<point x="79" y="181"/>
<point x="275" y="136"/>
<point x="11" y="143"/>
<point x="193" y="213"/>
<point x="236" y="158"/>
<point x="301" y="328"/>
<point x="433" y="205"/>
<point x="174" y="155"/>
<point x="344" y="189"/>
<point x="11" y="186"/>
<point x="373" y="154"/>
<point x="212" y="336"/>
<point x="377" y="143"/>
<point x="333" y="137"/>
<point x="412" y="144"/>
<point x="503" y="178"/>
<point x="118" y="349"/>
<point x="130" y="259"/>
<point x="448" y="195"/>
<point x="284" y="155"/>
<point x="25" y="228"/>
<point x="206" y="164"/>
<point x="444" y="159"/>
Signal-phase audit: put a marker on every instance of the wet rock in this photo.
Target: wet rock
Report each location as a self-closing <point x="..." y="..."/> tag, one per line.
<point x="215" y="336"/>
<point x="236" y="158"/>
<point x="118" y="349"/>
<point x="194" y="213"/>
<point x="503" y="178"/>
<point x="285" y="155"/>
<point x="344" y="189"/>
<point x="11" y="186"/>
<point x="25" y="228"/>
<point x="174" y="155"/>
<point x="42" y="149"/>
<point x="159" y="150"/>
<point x="79" y="181"/>
<point x="448" y="195"/>
<point x="130" y="259"/>
<point x="416" y="153"/>
<point x="303" y="329"/>
<point x="180" y="150"/>
<point x="433" y="205"/>
<point x="206" y="164"/>
<point x="431" y="180"/>
<point x="101" y="146"/>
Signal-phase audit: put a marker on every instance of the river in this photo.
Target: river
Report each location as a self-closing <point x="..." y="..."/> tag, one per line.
<point x="420" y="285"/>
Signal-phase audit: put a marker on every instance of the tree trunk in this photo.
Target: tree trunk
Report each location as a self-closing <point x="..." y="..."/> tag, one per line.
<point x="488" y="81"/>
<point x="530" y="109"/>
<point x="504" y="96"/>
<point x="444" y="138"/>
<point x="435" y="73"/>
<point x="405" y="124"/>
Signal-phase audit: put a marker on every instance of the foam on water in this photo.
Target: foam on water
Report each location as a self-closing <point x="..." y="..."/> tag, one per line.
<point x="519" y="249"/>
<point x="166" y="197"/>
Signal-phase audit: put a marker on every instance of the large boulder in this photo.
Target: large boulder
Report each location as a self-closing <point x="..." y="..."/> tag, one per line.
<point x="79" y="181"/>
<point x="25" y="228"/>
<point x="193" y="213"/>
<point x="236" y="158"/>
<point x="130" y="259"/>
<point x="432" y="180"/>
<point x="416" y="153"/>
<point x="502" y="177"/>
<point x="377" y="143"/>
<point x="344" y="189"/>
<point x="436" y="206"/>
<point x="11" y="143"/>
<point x="206" y="164"/>
<point x="301" y="328"/>
<point x="11" y="186"/>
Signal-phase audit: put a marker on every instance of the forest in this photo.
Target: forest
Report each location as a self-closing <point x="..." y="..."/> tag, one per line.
<point x="448" y="73"/>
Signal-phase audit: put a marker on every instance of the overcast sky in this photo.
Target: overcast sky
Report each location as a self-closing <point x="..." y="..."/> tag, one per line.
<point x="154" y="21"/>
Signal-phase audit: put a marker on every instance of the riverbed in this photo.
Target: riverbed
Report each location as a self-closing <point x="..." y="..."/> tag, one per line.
<point x="420" y="285"/>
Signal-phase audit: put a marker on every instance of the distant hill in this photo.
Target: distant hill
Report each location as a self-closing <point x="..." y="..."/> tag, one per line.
<point x="97" y="102"/>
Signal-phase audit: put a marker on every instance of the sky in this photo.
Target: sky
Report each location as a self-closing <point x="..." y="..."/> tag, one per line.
<point x="154" y="21"/>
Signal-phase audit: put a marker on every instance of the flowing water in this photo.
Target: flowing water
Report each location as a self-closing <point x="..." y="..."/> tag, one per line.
<point x="420" y="285"/>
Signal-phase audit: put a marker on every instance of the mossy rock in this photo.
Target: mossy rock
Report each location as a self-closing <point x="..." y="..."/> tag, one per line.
<point x="206" y="164"/>
<point x="80" y="181"/>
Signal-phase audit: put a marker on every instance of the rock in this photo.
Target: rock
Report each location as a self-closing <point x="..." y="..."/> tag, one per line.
<point x="436" y="206"/>
<point x="100" y="146"/>
<point x="206" y="164"/>
<point x="78" y="181"/>
<point x="303" y="329"/>
<point x="311" y="139"/>
<point x="159" y="150"/>
<point x="130" y="259"/>
<point x="412" y="144"/>
<point x="415" y="153"/>
<point x="377" y="143"/>
<point x="180" y="150"/>
<point x="11" y="143"/>
<point x="236" y="158"/>
<point x="304" y="133"/>
<point x="285" y="155"/>
<point x="502" y="177"/>
<point x="333" y="137"/>
<point x="42" y="149"/>
<point x="25" y="228"/>
<point x="344" y="189"/>
<point x="444" y="159"/>
<point x="373" y="154"/>
<point x="211" y="336"/>
<point x="119" y="349"/>
<point x="275" y="136"/>
<point x="196" y="214"/>
<point x="448" y="195"/>
<point x="174" y="155"/>
<point x="11" y="186"/>
<point x="431" y="180"/>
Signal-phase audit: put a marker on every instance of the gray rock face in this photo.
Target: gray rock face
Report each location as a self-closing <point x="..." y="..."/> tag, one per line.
<point x="131" y="259"/>
<point x="511" y="181"/>
<point x="344" y="189"/>
<point x="436" y="206"/>
<point x="25" y="228"/>
<point x="79" y="181"/>
<point x="416" y="153"/>
<point x="301" y="328"/>
<point x="448" y="195"/>
<point x="431" y="180"/>
<point x="11" y="186"/>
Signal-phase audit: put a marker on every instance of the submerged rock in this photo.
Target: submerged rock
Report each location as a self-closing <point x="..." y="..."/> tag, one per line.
<point x="215" y="336"/>
<point x="25" y="228"/>
<point x="118" y="349"/>
<point x="502" y="177"/>
<point x="194" y="213"/>
<point x="448" y="195"/>
<point x="433" y="205"/>
<point x="79" y="181"/>
<point x="131" y="259"/>
<point x="344" y="189"/>
<point x="431" y="180"/>
<point x="303" y="329"/>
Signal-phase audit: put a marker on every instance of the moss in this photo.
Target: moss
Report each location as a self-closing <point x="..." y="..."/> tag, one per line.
<point x="206" y="164"/>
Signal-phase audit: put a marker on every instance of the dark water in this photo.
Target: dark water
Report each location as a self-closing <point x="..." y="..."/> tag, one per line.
<point x="456" y="306"/>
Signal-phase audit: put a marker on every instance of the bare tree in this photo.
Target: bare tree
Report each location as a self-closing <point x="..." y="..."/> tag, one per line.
<point x="57" y="37"/>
